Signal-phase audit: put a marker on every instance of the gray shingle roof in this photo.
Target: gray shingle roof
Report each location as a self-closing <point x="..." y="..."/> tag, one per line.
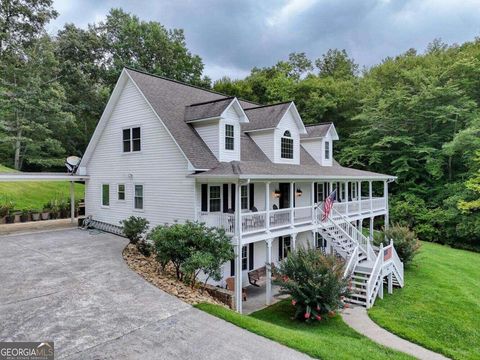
<point x="264" y="117"/>
<point x="315" y="131"/>
<point x="206" y="110"/>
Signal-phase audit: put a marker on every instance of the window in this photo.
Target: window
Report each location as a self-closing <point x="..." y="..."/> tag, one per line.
<point x="285" y="246"/>
<point x="244" y="257"/>
<point x="131" y="139"/>
<point x="138" y="198"/>
<point x="244" y="197"/>
<point x="320" y="192"/>
<point x="229" y="138"/>
<point x="105" y="195"/>
<point x="286" y="149"/>
<point x="215" y="198"/>
<point x="121" y="191"/>
<point x="327" y="150"/>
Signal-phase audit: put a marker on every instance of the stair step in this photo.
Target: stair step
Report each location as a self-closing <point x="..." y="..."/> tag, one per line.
<point x="359" y="283"/>
<point x="358" y="302"/>
<point x="359" y="271"/>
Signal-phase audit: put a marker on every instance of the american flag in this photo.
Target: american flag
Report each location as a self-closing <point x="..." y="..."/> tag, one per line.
<point x="328" y="204"/>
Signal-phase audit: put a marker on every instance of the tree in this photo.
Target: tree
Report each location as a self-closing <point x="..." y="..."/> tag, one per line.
<point x="473" y="185"/>
<point x="337" y="64"/>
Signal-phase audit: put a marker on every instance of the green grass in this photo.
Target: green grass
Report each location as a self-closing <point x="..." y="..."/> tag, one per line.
<point x="330" y="339"/>
<point x="439" y="308"/>
<point x="4" y="169"/>
<point x="32" y="195"/>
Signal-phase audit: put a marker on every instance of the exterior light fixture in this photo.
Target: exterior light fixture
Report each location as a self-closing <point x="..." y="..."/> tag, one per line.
<point x="276" y="193"/>
<point x="299" y="192"/>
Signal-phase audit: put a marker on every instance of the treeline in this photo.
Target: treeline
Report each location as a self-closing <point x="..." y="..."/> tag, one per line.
<point x="415" y="116"/>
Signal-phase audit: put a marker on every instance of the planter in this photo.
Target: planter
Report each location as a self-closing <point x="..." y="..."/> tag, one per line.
<point x="54" y="215"/>
<point x="3" y="220"/>
<point x="45" y="215"/>
<point x="24" y="217"/>
<point x="9" y="219"/>
<point x="35" y="216"/>
<point x="17" y="218"/>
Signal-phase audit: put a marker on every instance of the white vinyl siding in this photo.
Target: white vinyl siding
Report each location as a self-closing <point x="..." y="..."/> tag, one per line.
<point x="264" y="140"/>
<point x="160" y="167"/>
<point x="317" y="149"/>
<point x="209" y="132"/>
<point x="287" y="124"/>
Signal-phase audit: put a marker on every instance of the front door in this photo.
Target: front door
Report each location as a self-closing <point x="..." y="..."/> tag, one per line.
<point x="284" y="200"/>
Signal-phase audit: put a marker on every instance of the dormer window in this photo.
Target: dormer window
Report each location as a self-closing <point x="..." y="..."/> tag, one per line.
<point x="131" y="139"/>
<point x="229" y="137"/>
<point x="286" y="149"/>
<point x="327" y="150"/>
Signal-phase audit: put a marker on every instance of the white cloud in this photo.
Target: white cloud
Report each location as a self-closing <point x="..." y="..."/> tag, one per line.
<point x="291" y="9"/>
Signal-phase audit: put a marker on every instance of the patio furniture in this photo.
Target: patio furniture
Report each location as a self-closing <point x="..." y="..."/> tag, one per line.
<point x="231" y="286"/>
<point x="257" y="275"/>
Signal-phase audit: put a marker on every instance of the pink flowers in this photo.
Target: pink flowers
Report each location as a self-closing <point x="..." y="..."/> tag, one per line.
<point x="294" y="302"/>
<point x="318" y="317"/>
<point x="307" y="315"/>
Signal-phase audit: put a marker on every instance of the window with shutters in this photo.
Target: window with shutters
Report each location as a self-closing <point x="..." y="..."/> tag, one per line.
<point x="244" y="257"/>
<point x="286" y="146"/>
<point x="244" y="197"/>
<point x="229" y="137"/>
<point x="132" y="140"/>
<point x="215" y="198"/>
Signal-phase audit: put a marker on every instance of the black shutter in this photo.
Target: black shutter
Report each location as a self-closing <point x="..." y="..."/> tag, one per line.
<point x="250" y="256"/>
<point x="252" y="196"/>
<point x="204" y="197"/>
<point x="225" y="198"/>
<point x="232" y="267"/>
<point x="280" y="246"/>
<point x="315" y="192"/>
<point x="234" y="197"/>
<point x="294" y="193"/>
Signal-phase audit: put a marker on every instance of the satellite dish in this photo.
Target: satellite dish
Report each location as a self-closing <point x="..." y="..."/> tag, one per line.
<point x="72" y="163"/>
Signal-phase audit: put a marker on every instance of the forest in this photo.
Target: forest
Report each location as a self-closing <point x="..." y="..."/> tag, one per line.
<point x="415" y="115"/>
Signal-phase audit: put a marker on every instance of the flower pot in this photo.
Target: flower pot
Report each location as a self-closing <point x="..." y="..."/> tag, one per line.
<point x="35" y="216"/>
<point x="10" y="219"/>
<point x="3" y="219"/>
<point x="24" y="217"/>
<point x="54" y="215"/>
<point x="17" y="218"/>
<point x="45" y="215"/>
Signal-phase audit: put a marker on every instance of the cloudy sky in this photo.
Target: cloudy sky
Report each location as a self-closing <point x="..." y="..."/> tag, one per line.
<point x="234" y="36"/>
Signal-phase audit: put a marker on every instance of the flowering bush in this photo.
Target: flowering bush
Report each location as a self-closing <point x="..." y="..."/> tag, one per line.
<point x="314" y="281"/>
<point x="405" y="241"/>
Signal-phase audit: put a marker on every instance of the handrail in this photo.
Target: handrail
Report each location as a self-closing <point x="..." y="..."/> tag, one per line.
<point x="374" y="275"/>
<point x="398" y="264"/>
<point x="356" y="235"/>
<point x="352" y="262"/>
<point x="339" y="227"/>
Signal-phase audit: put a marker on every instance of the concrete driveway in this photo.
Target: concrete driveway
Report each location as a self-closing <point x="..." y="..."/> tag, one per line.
<point x="73" y="287"/>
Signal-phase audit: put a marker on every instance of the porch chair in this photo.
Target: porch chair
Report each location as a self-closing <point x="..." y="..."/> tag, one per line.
<point x="231" y="286"/>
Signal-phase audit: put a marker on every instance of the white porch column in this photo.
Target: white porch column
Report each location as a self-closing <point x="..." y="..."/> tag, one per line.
<point x="370" y="195"/>
<point x="314" y="232"/>
<point x="346" y="198"/>
<point x="390" y="284"/>
<point x="292" y="197"/>
<point x="238" y="252"/>
<point x="268" y="286"/>
<point x="371" y="228"/>
<point x="312" y="200"/>
<point x="72" y="202"/>
<point x="294" y="241"/>
<point x="359" y="196"/>
<point x="380" y="289"/>
<point x="267" y="204"/>
<point x="385" y="195"/>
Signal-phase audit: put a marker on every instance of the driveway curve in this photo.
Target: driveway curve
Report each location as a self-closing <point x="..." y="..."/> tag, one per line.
<point x="74" y="288"/>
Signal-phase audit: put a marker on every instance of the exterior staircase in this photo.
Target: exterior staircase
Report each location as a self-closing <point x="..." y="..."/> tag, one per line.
<point x="366" y="267"/>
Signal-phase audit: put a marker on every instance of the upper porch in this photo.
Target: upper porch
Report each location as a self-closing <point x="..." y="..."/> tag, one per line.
<point x="272" y="208"/>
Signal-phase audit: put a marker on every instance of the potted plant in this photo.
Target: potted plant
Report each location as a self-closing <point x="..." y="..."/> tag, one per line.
<point x="64" y="208"/>
<point x="24" y="216"/>
<point x="47" y="209"/>
<point x="17" y="215"/>
<point x="35" y="215"/>
<point x="54" y="208"/>
<point x="5" y="208"/>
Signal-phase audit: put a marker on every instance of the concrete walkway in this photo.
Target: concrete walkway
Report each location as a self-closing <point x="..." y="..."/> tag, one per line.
<point x="358" y="319"/>
<point x="74" y="288"/>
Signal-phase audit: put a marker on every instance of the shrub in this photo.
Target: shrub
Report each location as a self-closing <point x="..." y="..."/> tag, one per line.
<point x="134" y="228"/>
<point x="405" y="241"/>
<point x="144" y="248"/>
<point x="192" y="248"/>
<point x="314" y="281"/>
<point x="6" y="206"/>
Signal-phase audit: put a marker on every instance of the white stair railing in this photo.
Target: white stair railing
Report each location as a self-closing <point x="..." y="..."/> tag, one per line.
<point x="375" y="276"/>
<point x="398" y="264"/>
<point x="352" y="263"/>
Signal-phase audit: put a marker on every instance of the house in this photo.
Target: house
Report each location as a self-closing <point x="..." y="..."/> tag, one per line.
<point x="169" y="151"/>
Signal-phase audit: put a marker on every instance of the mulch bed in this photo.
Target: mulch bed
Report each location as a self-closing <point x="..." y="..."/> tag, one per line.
<point x="150" y="270"/>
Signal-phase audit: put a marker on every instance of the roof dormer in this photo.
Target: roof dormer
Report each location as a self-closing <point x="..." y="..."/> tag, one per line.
<point x="318" y="142"/>
<point x="218" y="124"/>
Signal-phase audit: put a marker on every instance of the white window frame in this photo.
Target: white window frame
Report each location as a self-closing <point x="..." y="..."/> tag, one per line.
<point x="287" y="137"/>
<point x="284" y="248"/>
<point x="124" y="192"/>
<point x="221" y="198"/>
<point x="245" y="258"/>
<point x="229" y="137"/>
<point x="327" y="154"/>
<point x="101" y="196"/>
<point x="320" y="190"/>
<point x="130" y="128"/>
<point x="247" y="196"/>
<point x="134" y="197"/>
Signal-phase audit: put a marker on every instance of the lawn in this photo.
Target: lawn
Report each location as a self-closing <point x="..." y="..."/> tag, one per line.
<point x="330" y="339"/>
<point x="32" y="195"/>
<point x="439" y="307"/>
